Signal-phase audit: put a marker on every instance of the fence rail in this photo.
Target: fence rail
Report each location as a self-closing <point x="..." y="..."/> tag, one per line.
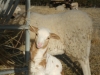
<point x="26" y="27"/>
<point x="3" y="72"/>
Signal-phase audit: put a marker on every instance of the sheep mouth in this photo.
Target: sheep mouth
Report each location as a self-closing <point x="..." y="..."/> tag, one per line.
<point x="39" y="46"/>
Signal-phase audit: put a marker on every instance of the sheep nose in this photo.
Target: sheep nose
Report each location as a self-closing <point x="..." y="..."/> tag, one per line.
<point x="39" y="45"/>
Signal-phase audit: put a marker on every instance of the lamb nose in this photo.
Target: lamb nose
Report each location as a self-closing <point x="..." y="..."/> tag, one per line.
<point x="39" y="44"/>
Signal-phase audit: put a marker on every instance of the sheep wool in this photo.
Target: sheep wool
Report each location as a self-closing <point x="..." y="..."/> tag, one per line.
<point x="74" y="28"/>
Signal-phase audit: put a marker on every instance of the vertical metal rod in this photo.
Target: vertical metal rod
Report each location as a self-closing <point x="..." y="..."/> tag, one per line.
<point x="27" y="47"/>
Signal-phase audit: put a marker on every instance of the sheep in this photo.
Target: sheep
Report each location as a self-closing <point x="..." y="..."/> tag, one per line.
<point x="74" y="28"/>
<point x="61" y="7"/>
<point x="4" y="6"/>
<point x="16" y="12"/>
<point x="74" y="5"/>
<point x="42" y="63"/>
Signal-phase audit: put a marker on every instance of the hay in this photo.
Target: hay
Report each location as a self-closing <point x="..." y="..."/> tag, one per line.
<point x="9" y="42"/>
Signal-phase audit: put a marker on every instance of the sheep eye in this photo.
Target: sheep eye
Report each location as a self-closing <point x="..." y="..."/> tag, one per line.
<point x="48" y="38"/>
<point x="36" y="34"/>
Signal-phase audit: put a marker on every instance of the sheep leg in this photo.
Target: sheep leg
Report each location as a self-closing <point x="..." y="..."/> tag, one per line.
<point x="85" y="66"/>
<point x="89" y="68"/>
<point x="88" y="52"/>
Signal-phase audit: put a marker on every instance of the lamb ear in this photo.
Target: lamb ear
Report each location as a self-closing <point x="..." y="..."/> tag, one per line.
<point x="54" y="36"/>
<point x="33" y="29"/>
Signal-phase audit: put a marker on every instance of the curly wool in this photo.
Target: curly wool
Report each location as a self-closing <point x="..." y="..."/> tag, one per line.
<point x="74" y="28"/>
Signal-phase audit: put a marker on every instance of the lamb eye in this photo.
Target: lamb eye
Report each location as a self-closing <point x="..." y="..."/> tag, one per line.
<point x="36" y="34"/>
<point x="48" y="38"/>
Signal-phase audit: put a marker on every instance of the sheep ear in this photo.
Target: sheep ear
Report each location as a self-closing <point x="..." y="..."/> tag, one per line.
<point x="54" y="36"/>
<point x="33" y="29"/>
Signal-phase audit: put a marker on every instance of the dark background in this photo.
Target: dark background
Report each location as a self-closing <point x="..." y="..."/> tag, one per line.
<point x="82" y="3"/>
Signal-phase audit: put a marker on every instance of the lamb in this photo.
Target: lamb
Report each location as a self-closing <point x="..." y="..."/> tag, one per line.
<point x="74" y="28"/>
<point x="74" y="5"/>
<point x="42" y="63"/>
<point x="16" y="12"/>
<point x="61" y="7"/>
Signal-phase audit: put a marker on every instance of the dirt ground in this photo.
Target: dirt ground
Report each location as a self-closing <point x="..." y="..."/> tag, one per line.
<point x="94" y="13"/>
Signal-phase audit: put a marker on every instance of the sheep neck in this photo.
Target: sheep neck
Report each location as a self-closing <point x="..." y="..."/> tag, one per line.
<point x="38" y="55"/>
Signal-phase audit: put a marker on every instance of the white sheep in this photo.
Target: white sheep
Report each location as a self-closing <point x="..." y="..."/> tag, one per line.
<point x="42" y="63"/>
<point x="16" y="12"/>
<point x="74" y="5"/>
<point x="61" y="7"/>
<point x="75" y="30"/>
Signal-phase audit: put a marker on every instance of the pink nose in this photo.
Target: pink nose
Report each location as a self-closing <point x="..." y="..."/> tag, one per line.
<point x="39" y="45"/>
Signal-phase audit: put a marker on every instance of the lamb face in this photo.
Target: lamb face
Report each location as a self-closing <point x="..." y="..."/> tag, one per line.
<point x="42" y="38"/>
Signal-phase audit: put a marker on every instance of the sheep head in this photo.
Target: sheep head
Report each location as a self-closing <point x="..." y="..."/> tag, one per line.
<point x="43" y="35"/>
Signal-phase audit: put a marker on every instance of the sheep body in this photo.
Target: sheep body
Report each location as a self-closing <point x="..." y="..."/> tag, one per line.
<point x="74" y="28"/>
<point x="42" y="63"/>
<point x="51" y="68"/>
<point x="69" y="26"/>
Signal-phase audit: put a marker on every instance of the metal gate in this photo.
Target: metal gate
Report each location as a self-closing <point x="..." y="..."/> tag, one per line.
<point x="26" y="27"/>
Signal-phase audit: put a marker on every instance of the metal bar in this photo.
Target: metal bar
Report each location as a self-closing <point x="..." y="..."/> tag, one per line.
<point x="3" y="72"/>
<point x="27" y="45"/>
<point x="8" y="9"/>
<point x="14" y="27"/>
